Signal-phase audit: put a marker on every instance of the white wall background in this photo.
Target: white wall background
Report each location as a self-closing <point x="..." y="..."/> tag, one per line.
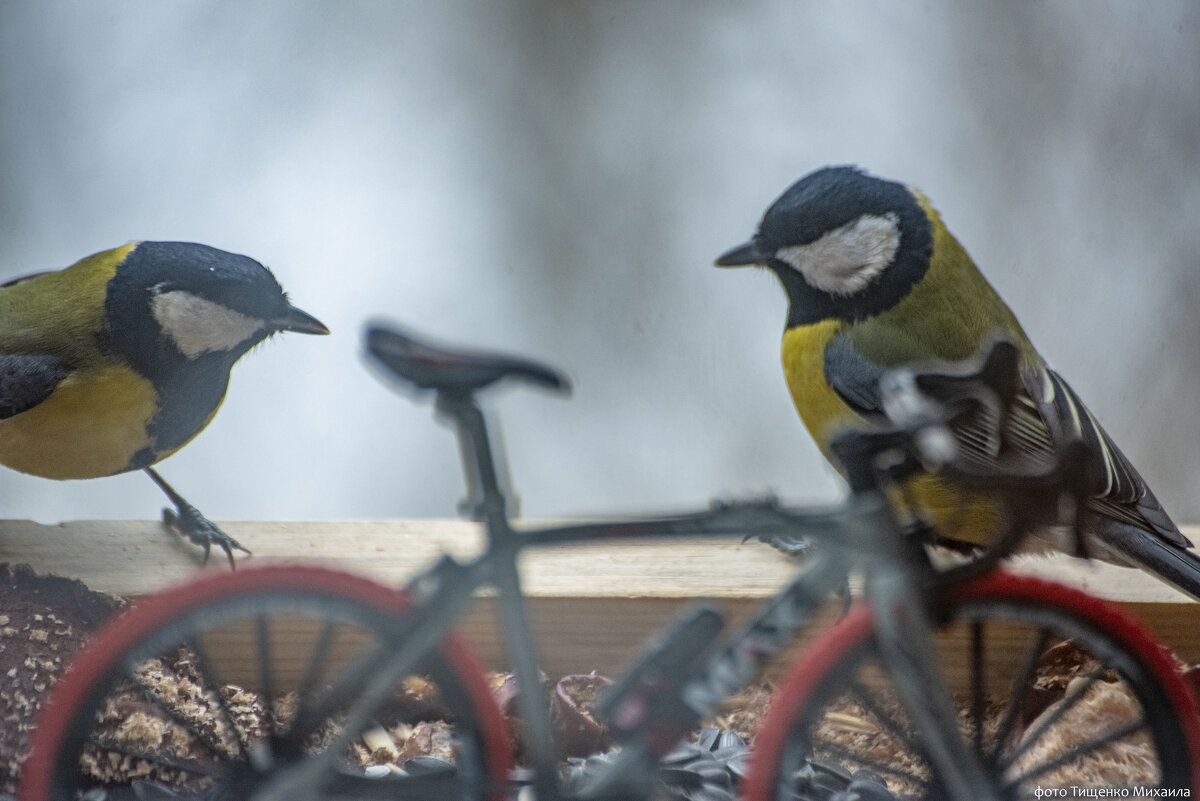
<point x="555" y="178"/>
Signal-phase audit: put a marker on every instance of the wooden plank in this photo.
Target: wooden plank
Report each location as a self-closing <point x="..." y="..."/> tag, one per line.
<point x="593" y="604"/>
<point x="132" y="557"/>
<point x="135" y="557"/>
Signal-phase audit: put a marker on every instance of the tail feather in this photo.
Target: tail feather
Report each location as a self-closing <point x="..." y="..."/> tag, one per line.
<point x="1177" y="566"/>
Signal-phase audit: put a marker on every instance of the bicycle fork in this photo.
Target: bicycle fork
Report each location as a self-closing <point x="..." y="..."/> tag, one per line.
<point x="904" y="636"/>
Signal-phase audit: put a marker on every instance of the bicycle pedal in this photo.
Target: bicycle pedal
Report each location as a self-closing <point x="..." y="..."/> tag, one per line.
<point x="661" y="669"/>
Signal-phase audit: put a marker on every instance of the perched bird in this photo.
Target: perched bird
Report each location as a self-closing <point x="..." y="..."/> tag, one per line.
<point x="119" y="360"/>
<point x="874" y="281"/>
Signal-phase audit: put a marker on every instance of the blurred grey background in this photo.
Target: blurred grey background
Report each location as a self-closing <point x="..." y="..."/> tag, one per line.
<point x="555" y="178"/>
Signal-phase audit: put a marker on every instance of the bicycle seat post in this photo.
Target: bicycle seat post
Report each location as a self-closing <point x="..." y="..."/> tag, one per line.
<point x="486" y="501"/>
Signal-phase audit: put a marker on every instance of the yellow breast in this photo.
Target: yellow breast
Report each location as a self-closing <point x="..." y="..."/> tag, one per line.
<point x="821" y="409"/>
<point x="90" y="426"/>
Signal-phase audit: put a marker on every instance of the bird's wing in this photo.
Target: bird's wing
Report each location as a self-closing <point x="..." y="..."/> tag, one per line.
<point x="1025" y="438"/>
<point x="854" y="377"/>
<point x="27" y="380"/>
<point x="1045" y="414"/>
<point x="22" y="278"/>
<point x="1120" y="492"/>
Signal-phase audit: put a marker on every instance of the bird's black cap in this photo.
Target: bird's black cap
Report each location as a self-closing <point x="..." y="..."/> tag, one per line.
<point x="819" y="202"/>
<point x="823" y="201"/>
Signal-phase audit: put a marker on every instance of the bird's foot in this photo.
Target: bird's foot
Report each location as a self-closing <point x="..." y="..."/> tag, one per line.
<point x="789" y="545"/>
<point x="187" y="521"/>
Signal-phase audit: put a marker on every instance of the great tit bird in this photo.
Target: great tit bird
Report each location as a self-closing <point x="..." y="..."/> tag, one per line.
<point x="874" y="280"/>
<point x="119" y="360"/>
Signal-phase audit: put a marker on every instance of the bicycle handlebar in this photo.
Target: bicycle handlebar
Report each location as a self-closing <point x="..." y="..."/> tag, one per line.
<point x="922" y="407"/>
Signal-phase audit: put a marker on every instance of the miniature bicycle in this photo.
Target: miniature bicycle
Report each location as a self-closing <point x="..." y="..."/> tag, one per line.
<point x="282" y="682"/>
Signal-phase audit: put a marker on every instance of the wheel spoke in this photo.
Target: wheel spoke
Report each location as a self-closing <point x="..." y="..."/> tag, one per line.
<point x="316" y="660"/>
<point x="846" y="754"/>
<point x="1070" y="756"/>
<point x="208" y="676"/>
<point x="978" y="682"/>
<point x="266" y="677"/>
<point x="1053" y="716"/>
<point x="190" y="724"/>
<point x="340" y="692"/>
<point x="1019" y="692"/>
<point x="867" y="698"/>
<point x="434" y="786"/>
<point x="193" y="766"/>
<point x="306" y="689"/>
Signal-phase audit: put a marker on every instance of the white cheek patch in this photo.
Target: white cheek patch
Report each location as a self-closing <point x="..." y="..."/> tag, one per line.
<point x="198" y="326"/>
<point x="847" y="259"/>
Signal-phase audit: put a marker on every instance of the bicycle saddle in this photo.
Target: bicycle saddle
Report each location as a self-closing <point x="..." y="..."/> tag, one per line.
<point x="463" y="372"/>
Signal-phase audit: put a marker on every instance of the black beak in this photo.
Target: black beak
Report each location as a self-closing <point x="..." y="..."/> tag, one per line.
<point x="301" y="322"/>
<point x="742" y="255"/>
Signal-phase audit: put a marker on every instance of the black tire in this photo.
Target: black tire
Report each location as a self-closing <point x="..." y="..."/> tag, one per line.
<point x="214" y="688"/>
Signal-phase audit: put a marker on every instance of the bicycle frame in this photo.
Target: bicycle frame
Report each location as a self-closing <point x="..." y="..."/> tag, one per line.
<point x="860" y="534"/>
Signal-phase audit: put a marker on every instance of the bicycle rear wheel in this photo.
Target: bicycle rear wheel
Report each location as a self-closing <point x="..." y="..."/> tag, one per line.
<point x="218" y="687"/>
<point x="1122" y="717"/>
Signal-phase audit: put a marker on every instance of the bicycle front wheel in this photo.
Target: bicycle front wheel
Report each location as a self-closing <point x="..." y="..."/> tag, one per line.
<point x="222" y="687"/>
<point x="1057" y="691"/>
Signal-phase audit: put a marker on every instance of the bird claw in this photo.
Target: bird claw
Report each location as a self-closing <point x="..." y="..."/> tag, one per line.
<point x="789" y="545"/>
<point x="187" y="521"/>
